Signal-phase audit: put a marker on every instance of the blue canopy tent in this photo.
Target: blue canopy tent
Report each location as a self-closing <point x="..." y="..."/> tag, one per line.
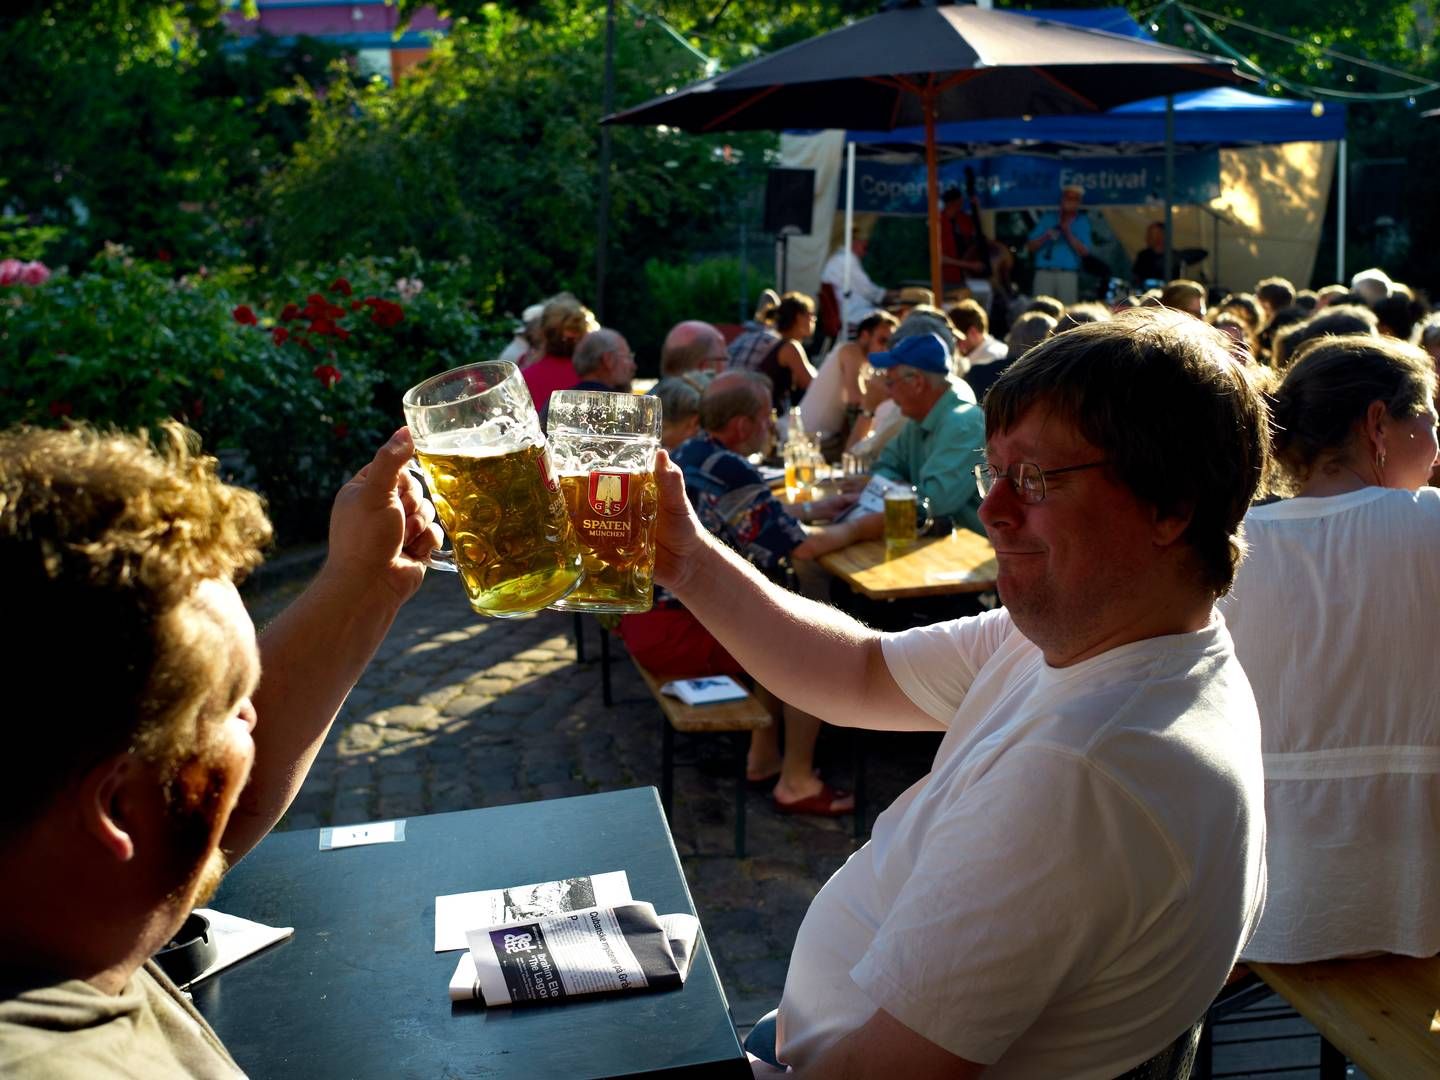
<point x="1220" y="117"/>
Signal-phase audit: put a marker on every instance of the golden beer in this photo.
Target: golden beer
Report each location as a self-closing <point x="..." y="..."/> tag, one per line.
<point x="613" y="513"/>
<point x="502" y="509"/>
<point x="900" y="522"/>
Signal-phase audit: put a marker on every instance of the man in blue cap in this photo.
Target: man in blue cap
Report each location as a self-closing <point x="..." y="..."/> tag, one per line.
<point x="938" y="449"/>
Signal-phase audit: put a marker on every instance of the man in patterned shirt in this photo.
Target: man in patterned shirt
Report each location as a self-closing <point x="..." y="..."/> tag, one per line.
<point x="737" y="505"/>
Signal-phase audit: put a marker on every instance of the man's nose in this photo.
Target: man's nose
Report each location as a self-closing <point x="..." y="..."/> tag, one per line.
<point x="1002" y="507"/>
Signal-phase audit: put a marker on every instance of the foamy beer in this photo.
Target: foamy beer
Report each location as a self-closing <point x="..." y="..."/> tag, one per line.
<point x="495" y="489"/>
<point x="906" y="516"/>
<point x="604" y="446"/>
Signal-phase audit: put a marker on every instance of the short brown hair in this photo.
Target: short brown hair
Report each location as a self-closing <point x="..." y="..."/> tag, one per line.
<point x="1179" y="291"/>
<point x="1327" y="389"/>
<point x="1337" y="320"/>
<point x="968" y="314"/>
<point x="1275" y="291"/>
<point x="733" y="393"/>
<point x="1158" y="393"/>
<point x="104" y="538"/>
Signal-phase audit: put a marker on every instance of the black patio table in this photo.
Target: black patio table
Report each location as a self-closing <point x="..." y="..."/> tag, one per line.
<point x="359" y="992"/>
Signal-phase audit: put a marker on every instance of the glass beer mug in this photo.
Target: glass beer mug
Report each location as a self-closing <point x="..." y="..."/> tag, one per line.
<point x="906" y="517"/>
<point x="604" y="445"/>
<point x="495" y="489"/>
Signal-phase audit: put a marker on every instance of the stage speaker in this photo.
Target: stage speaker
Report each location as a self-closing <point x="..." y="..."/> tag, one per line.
<point x="789" y="200"/>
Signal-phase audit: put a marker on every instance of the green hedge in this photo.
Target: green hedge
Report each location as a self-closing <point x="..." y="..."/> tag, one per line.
<point x="293" y="380"/>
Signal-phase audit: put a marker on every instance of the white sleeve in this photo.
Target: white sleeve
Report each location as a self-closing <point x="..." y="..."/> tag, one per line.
<point x="935" y="665"/>
<point x="1014" y="903"/>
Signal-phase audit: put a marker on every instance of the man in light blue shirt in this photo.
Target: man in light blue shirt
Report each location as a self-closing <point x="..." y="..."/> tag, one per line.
<point x="938" y="449"/>
<point x="1059" y="241"/>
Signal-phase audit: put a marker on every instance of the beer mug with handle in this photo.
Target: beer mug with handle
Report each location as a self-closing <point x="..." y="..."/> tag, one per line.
<point x="495" y="488"/>
<point x="907" y="515"/>
<point x="604" y="445"/>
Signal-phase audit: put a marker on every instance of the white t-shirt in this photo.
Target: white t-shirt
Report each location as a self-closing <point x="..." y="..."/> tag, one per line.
<point x="1068" y="888"/>
<point x="1333" y="613"/>
<point x="988" y="351"/>
<point x="862" y="295"/>
<point x="823" y="406"/>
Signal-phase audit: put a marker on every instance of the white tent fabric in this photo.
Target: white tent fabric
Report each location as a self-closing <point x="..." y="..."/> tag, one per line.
<point x="824" y="152"/>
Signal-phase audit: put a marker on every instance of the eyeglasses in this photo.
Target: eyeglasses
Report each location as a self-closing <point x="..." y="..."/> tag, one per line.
<point x="1027" y="478"/>
<point x="891" y="379"/>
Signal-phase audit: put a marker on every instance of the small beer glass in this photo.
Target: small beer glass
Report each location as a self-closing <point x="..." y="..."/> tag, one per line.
<point x="495" y="489"/>
<point x="604" y="445"/>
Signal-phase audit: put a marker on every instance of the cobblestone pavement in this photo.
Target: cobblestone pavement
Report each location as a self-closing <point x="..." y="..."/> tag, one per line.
<point x="458" y="711"/>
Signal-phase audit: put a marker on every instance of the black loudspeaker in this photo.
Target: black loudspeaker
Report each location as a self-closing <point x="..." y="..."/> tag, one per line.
<point x="789" y="200"/>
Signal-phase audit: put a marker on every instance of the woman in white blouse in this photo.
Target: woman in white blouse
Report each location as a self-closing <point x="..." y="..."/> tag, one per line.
<point x="1333" y="613"/>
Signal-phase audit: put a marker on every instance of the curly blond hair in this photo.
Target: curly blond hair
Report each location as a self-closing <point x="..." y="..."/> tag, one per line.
<point x="104" y="537"/>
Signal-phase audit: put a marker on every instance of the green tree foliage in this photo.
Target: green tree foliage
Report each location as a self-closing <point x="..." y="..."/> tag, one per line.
<point x="134" y="123"/>
<point x="490" y="151"/>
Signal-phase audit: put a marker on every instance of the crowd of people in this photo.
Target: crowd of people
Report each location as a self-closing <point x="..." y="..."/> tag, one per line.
<point x="1196" y="731"/>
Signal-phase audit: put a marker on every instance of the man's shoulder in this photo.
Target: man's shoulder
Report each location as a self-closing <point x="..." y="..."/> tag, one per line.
<point x="707" y="464"/>
<point x="69" y="1029"/>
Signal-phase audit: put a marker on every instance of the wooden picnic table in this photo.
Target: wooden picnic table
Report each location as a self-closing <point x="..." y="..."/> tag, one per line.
<point x="963" y="562"/>
<point x="1383" y="1013"/>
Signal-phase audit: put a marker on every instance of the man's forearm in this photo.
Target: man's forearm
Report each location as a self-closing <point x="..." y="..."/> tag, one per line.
<point x="311" y="656"/>
<point x="806" y="653"/>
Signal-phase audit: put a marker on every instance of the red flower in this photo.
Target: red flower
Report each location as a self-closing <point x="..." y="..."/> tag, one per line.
<point x="162" y="256"/>
<point x="279" y="334"/>
<point x="386" y="313"/>
<point x="341" y="286"/>
<point x="322" y="326"/>
<point x="244" y="316"/>
<point x="290" y="313"/>
<point x="356" y="305"/>
<point x="342" y="429"/>
<point x="61" y="408"/>
<point x="197" y="408"/>
<point x="328" y="374"/>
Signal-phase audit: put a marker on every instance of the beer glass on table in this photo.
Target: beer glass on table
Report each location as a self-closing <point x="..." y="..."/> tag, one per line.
<point x="906" y="517"/>
<point x="495" y="488"/>
<point x="604" y="445"/>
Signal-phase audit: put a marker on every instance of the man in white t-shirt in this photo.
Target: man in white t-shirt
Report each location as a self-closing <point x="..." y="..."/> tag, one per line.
<point x="1068" y="888"/>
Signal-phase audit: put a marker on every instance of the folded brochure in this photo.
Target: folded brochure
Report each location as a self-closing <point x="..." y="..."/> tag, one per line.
<point x="594" y="951"/>
<point x="711" y="688"/>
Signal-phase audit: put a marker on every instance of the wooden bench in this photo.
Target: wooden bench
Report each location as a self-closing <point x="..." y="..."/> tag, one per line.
<point x="739" y="717"/>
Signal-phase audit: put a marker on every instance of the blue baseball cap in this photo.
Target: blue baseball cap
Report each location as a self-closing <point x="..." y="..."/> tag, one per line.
<point x="924" y="352"/>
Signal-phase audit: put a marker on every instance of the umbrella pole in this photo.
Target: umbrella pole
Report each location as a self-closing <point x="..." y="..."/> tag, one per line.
<point x="932" y="183"/>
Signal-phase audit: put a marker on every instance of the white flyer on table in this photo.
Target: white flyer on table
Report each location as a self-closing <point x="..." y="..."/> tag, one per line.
<point x="461" y="912"/>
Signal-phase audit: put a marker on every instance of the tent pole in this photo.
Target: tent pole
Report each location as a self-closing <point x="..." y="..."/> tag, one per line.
<point x="849" y="220"/>
<point x="1343" y="170"/>
<point x="1169" y="186"/>
<point x="932" y="184"/>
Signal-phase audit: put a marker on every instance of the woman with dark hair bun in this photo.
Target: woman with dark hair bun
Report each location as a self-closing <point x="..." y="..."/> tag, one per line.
<point x="1333" y="615"/>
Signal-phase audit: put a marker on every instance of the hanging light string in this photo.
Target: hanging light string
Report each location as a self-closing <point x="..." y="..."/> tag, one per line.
<point x="1198" y="15"/>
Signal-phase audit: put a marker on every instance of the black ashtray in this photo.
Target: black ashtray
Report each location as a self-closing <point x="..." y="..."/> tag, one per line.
<point x="189" y="952"/>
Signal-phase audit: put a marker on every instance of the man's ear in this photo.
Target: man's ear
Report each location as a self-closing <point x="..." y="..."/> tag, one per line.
<point x="107" y="806"/>
<point x="1169" y="527"/>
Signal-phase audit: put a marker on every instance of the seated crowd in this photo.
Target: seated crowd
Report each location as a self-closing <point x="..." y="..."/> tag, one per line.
<point x="1196" y="731"/>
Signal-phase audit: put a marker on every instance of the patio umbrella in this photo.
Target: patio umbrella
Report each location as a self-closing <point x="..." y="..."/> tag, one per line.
<point x="923" y="65"/>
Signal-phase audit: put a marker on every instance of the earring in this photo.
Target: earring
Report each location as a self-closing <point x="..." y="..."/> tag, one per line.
<point x="1380" y="461"/>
